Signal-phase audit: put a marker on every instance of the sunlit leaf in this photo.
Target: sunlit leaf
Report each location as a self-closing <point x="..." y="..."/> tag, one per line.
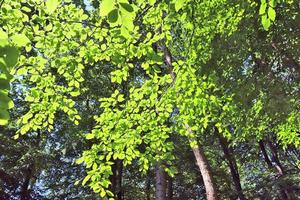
<point x="20" y="40"/>
<point x="106" y="7"/>
<point x="51" y="5"/>
<point x="271" y="13"/>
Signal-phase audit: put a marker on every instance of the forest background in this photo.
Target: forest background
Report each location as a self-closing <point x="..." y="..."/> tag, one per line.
<point x="149" y="99"/>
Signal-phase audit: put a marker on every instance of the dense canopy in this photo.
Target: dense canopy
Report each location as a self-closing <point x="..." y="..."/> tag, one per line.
<point x="149" y="99"/>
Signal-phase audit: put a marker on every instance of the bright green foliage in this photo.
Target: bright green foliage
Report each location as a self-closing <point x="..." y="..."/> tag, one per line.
<point x="164" y="99"/>
<point x="288" y="132"/>
<point x="51" y="6"/>
<point x="8" y="59"/>
<point x="139" y="126"/>
<point x="51" y="39"/>
<point x="267" y="10"/>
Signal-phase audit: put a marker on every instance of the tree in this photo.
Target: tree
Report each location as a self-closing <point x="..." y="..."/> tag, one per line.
<point x="162" y="74"/>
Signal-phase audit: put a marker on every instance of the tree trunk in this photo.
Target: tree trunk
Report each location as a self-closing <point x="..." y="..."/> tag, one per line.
<point x="119" y="191"/>
<point x="275" y="158"/>
<point x="170" y="188"/>
<point x="282" y="193"/>
<point x="211" y="193"/>
<point x="148" y="185"/>
<point x="116" y="179"/>
<point x="202" y="162"/>
<point x="160" y="182"/>
<point x="113" y="179"/>
<point x="229" y="156"/>
<point x="205" y="170"/>
<point x="264" y="152"/>
<point x="25" y="193"/>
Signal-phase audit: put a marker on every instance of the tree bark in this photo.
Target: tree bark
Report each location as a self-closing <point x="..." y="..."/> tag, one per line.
<point x="211" y="193"/>
<point x="170" y="188"/>
<point x="119" y="171"/>
<point x="229" y="156"/>
<point x="264" y="152"/>
<point x="160" y="182"/>
<point x="282" y="193"/>
<point x="25" y="193"/>
<point x="148" y="185"/>
<point x="116" y="179"/>
<point x="275" y="158"/>
<point x="277" y="164"/>
<point x="204" y="167"/>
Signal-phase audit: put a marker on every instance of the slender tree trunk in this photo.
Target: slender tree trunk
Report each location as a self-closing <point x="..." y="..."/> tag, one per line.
<point x="25" y="193"/>
<point x="202" y="162"/>
<point x="275" y="158"/>
<point x="113" y="179"/>
<point x="116" y="179"/>
<point x="229" y="156"/>
<point x="264" y="152"/>
<point x="170" y="188"/>
<point x="148" y="185"/>
<point x="119" y="191"/>
<point x="282" y="193"/>
<point x="160" y="182"/>
<point x="211" y="193"/>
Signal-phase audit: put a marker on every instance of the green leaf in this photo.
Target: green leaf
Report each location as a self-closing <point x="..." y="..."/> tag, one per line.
<point x="10" y="56"/>
<point x="77" y="182"/>
<point x="3" y="38"/>
<point x="265" y="22"/>
<point x="29" y="99"/>
<point x="4" y="117"/>
<point x="106" y="7"/>
<point x="20" y="40"/>
<point x="127" y="7"/>
<point x="271" y="14"/>
<point x="16" y="136"/>
<point x="4" y="84"/>
<point x="152" y="2"/>
<point x="127" y="23"/>
<point x="75" y="93"/>
<point x="179" y="4"/>
<point x="5" y="101"/>
<point x="120" y="98"/>
<point x="27" y="117"/>
<point x="21" y="71"/>
<point x="86" y="179"/>
<point x="262" y="8"/>
<point x="89" y="136"/>
<point x="113" y="16"/>
<point x="273" y="3"/>
<point x="102" y="193"/>
<point x="79" y="160"/>
<point x="26" y="9"/>
<point x="103" y="47"/>
<point x="51" y="5"/>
